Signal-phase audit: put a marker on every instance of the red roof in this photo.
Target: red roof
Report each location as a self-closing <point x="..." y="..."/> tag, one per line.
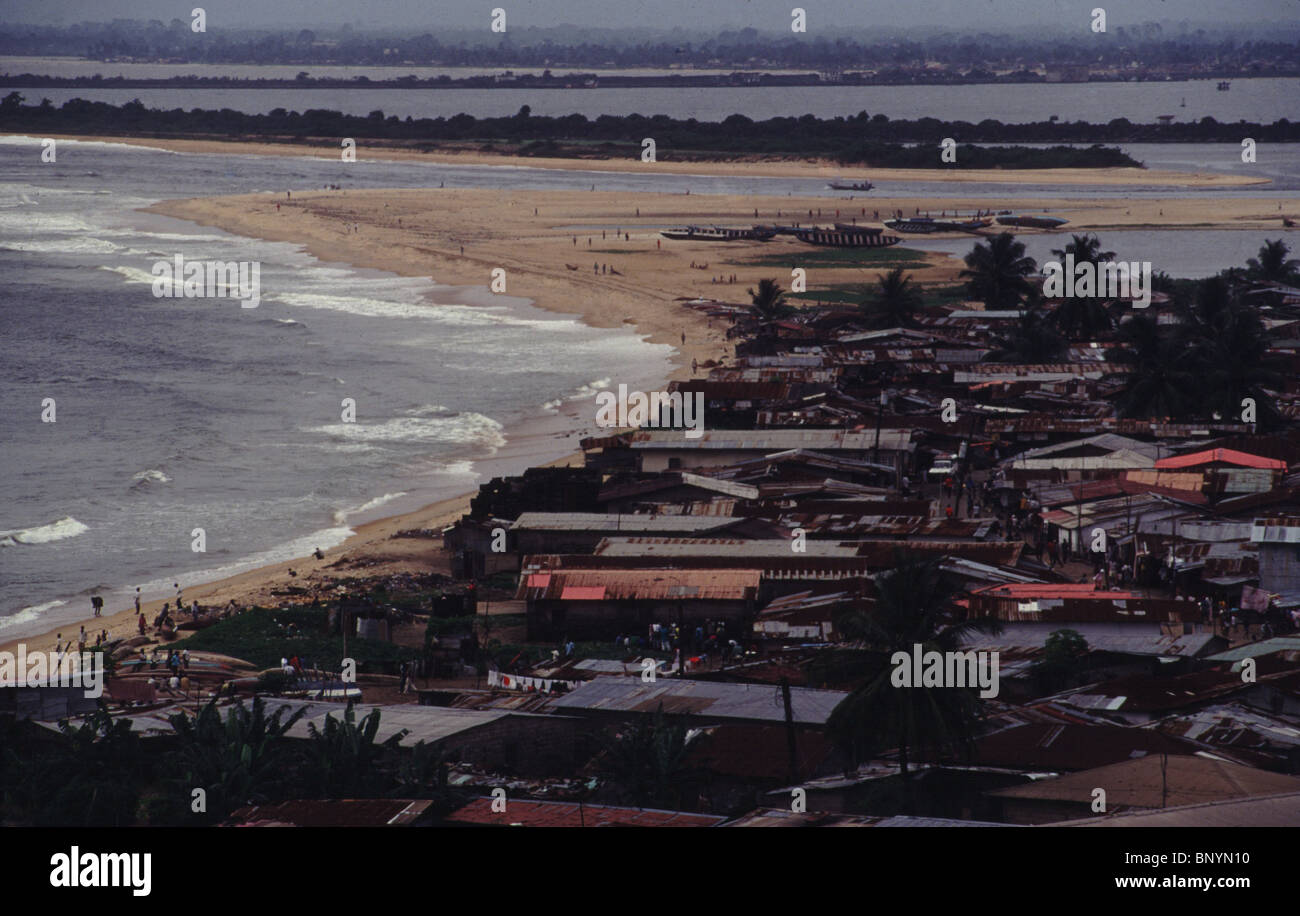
<point x="1225" y="455"/>
<point x="582" y="593"/>
<point x="568" y="814"/>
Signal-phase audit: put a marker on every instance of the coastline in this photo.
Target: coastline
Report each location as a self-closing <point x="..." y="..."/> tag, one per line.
<point x="758" y="168"/>
<point x="419" y="232"/>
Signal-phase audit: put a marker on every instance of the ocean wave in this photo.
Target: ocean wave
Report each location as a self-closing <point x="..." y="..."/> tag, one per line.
<point x="473" y="429"/>
<point x="298" y="548"/>
<point x="553" y="405"/>
<point x="353" y="305"/>
<point x="24" y="140"/>
<point x="457" y="468"/>
<point x="62" y="246"/>
<point x="28" y="614"/>
<point x="590" y="389"/>
<point x="151" y="476"/>
<point x="131" y="274"/>
<point x="66" y="527"/>
<point x="341" y="515"/>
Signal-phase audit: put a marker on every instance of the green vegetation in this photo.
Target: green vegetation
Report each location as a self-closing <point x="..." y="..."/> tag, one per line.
<point x="261" y="637"/>
<point x="859" y="140"/>
<point x="875" y="258"/>
<point x="101" y="773"/>
<point x="913" y="607"/>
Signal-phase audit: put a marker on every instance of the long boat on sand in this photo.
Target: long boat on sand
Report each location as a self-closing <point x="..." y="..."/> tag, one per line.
<point x="924" y="224"/>
<point x="851" y="237"/>
<point x="1033" y="222"/>
<point x="719" y="234"/>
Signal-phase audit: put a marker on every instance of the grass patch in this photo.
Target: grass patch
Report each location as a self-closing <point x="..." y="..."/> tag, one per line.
<point x="260" y="637"/>
<point x="877" y="258"/>
<point x="855" y="293"/>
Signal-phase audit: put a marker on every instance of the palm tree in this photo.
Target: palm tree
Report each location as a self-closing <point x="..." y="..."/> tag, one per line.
<point x="893" y="302"/>
<point x="238" y="761"/>
<point x="1233" y="348"/>
<point x="998" y="270"/>
<point x="647" y="761"/>
<point x="769" y="301"/>
<point x="1273" y="264"/>
<point x="1163" y="370"/>
<point x="1086" y="247"/>
<point x="1080" y="316"/>
<point x="1033" y="341"/>
<point x="346" y="760"/>
<point x="87" y="776"/>
<point x="913" y="607"/>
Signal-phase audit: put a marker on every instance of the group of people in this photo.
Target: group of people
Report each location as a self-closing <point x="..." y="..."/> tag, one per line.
<point x="175" y="662"/>
<point x="61" y="648"/>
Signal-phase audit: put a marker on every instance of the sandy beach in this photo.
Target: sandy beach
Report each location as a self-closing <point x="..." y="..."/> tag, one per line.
<point x="459" y="237"/>
<point x="758" y="167"/>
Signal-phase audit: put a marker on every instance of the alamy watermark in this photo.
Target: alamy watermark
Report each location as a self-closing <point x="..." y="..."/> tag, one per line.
<point x="179" y="278"/>
<point x="919" y="668"/>
<point x="53" y="669"/>
<point x="1107" y="280"/>
<point x="656" y="409"/>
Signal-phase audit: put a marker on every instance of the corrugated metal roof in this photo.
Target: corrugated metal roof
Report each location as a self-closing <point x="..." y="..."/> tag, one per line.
<point x="1255" y="650"/>
<point x="774" y="440"/>
<point x="424" y="723"/>
<point x="716" y="547"/>
<point x="1222" y="455"/>
<point x="643" y="585"/>
<point x="1275" y="531"/>
<point x="715" y="700"/>
<point x="613" y="523"/>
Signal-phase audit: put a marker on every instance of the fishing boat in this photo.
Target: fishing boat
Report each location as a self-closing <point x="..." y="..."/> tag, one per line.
<point x="862" y="185"/>
<point x="923" y="225"/>
<point x="719" y="234"/>
<point x="1033" y="222"/>
<point x="852" y="237"/>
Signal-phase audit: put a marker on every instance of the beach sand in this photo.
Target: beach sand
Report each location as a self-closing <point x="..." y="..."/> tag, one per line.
<point x="756" y="167"/>
<point x="529" y="234"/>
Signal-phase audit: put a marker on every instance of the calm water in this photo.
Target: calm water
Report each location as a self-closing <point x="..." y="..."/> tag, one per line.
<point x="1178" y="252"/>
<point x="1254" y="100"/>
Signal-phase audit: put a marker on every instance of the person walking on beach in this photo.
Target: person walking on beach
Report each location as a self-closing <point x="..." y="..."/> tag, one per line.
<point x="97" y="603"/>
<point x="137" y="599"/>
<point x="141" y="623"/>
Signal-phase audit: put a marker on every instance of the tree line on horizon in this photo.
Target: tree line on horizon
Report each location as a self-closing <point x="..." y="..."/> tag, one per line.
<point x="1242" y="50"/>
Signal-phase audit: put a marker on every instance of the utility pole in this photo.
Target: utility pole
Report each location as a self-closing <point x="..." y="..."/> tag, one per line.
<point x="880" y="411"/>
<point x="789" y="730"/>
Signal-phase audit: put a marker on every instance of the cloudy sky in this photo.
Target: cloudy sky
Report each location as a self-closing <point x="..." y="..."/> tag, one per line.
<point x="691" y="15"/>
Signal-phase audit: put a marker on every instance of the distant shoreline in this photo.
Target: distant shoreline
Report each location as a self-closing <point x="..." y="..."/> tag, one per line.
<point x="578" y="80"/>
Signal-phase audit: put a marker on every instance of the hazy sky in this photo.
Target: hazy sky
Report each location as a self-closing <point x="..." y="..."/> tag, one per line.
<point x="692" y="15"/>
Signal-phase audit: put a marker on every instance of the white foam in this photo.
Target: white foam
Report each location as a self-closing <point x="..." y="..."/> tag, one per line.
<point x="23" y="140"/>
<point x="299" y="547"/>
<point x="28" y="614"/>
<point x="341" y="515"/>
<point x="473" y="429"/>
<point x="152" y="476"/>
<point x="62" y="246"/>
<point x="66" y="527"/>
